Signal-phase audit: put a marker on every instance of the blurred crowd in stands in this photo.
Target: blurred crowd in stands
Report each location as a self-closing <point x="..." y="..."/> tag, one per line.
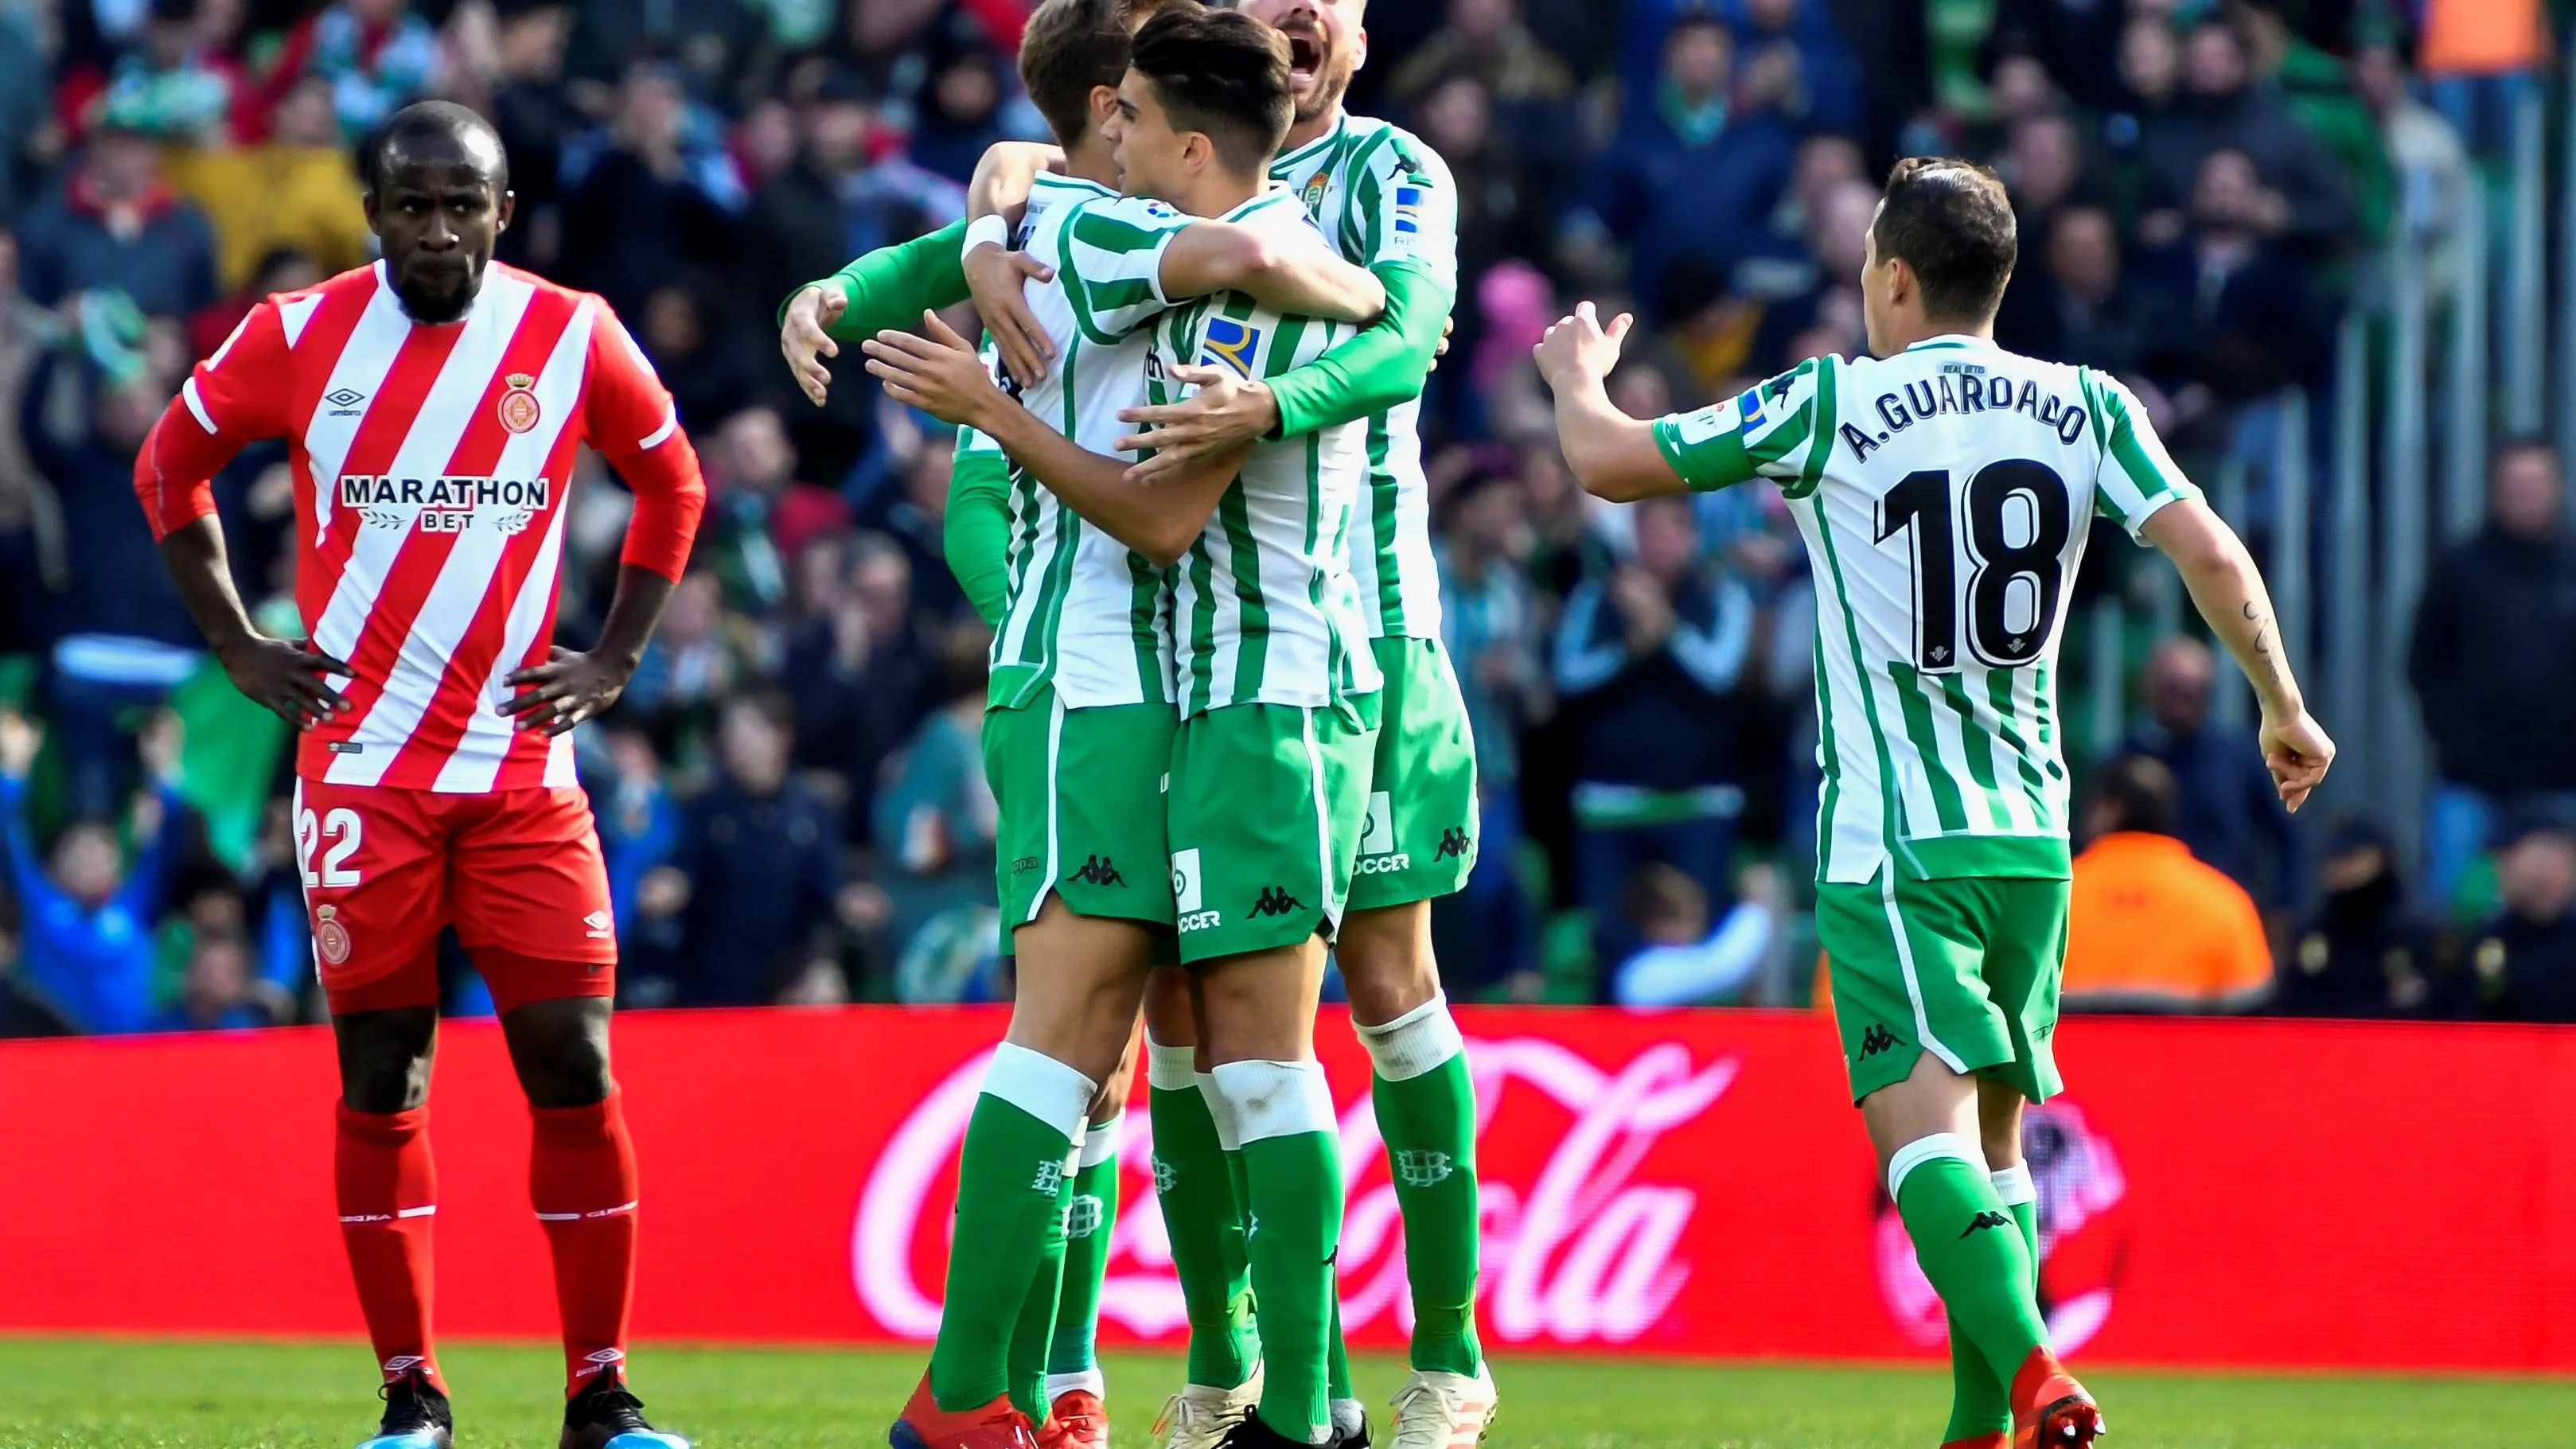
<point x="791" y="791"/>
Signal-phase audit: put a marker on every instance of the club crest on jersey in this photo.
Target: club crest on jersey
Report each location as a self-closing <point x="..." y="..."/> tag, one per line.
<point x="330" y="938"/>
<point x="1232" y="344"/>
<point x="1313" y="195"/>
<point x="518" y="407"/>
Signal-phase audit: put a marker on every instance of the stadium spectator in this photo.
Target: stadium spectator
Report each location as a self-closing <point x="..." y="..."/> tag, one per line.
<point x="756" y="870"/>
<point x="696" y="659"/>
<point x="1488" y="620"/>
<point x="754" y="459"/>
<point x="116" y="225"/>
<point x="699" y="359"/>
<point x="2253" y="325"/>
<point x="85" y="964"/>
<point x="2068" y="38"/>
<point x="1794" y="59"/>
<point x="2423" y="148"/>
<point x="2227" y="812"/>
<point x="860" y="669"/>
<point x="292" y="191"/>
<point x="648" y="198"/>
<point x="2479" y="58"/>
<point x="2078" y="303"/>
<point x="713" y="40"/>
<point x="2525" y="958"/>
<point x="2149" y="929"/>
<point x="934" y="823"/>
<point x="2362" y="950"/>
<point x="536" y="116"/>
<point x="374" y="54"/>
<point x="1689" y="175"/>
<point x="24" y="118"/>
<point x="2298" y="194"/>
<point x="1648" y="660"/>
<point x="962" y="114"/>
<point x="1682" y="961"/>
<point x="215" y="991"/>
<point x="2493" y="664"/>
<point x="1528" y="88"/>
<point x="170" y="87"/>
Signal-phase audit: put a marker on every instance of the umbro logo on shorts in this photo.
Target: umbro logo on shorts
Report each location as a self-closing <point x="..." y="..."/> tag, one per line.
<point x="1274" y="901"/>
<point x="1875" y="1040"/>
<point x="1097" y="870"/>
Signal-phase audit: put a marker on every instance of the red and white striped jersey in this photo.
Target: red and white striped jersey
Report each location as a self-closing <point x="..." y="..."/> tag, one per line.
<point x="432" y="467"/>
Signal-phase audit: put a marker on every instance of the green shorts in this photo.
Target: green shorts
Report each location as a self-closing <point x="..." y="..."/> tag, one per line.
<point x="1966" y="969"/>
<point x="1265" y="813"/>
<point x="1080" y="793"/>
<point x="1419" y="840"/>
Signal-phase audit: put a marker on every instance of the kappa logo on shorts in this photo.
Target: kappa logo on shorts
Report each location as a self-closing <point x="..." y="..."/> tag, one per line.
<point x="330" y="938"/>
<point x="1189" y="897"/>
<point x="1275" y="901"/>
<point x="1378" y="855"/>
<point x="1875" y="1040"/>
<point x="1026" y="863"/>
<point x="1455" y="842"/>
<point x="1097" y="870"/>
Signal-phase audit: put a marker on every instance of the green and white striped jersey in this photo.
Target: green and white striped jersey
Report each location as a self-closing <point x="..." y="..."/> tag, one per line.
<point x="1944" y="494"/>
<point x="1084" y="612"/>
<point x="1263" y="605"/>
<point x="1381" y="197"/>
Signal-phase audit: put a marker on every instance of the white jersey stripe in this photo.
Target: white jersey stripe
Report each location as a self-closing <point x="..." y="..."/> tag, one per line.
<point x="364" y="361"/>
<point x="476" y="762"/>
<point x="294" y="314"/>
<point x="197" y="406"/>
<point x="436" y="431"/>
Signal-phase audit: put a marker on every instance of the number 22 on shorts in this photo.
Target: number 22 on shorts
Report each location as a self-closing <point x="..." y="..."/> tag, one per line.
<point x="339" y="826"/>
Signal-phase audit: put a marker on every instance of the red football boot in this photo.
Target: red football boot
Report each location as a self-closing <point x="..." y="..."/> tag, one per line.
<point x="2050" y="1409"/>
<point x="925" y="1425"/>
<point x="1076" y="1420"/>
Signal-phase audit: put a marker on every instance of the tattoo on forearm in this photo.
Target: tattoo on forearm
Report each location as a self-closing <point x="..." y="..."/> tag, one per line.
<point x="2262" y="641"/>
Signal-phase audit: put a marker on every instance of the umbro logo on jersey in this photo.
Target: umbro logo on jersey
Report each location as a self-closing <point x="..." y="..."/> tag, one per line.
<point x="346" y="402"/>
<point x="1274" y="901"/>
<point x="1875" y="1040"/>
<point x="1097" y="870"/>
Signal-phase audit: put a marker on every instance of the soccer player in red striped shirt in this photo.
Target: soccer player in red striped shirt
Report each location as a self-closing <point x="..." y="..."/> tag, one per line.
<point x="432" y="405"/>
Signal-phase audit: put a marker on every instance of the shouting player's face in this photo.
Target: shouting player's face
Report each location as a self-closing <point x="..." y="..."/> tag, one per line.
<point x="1326" y="44"/>
<point x="438" y="207"/>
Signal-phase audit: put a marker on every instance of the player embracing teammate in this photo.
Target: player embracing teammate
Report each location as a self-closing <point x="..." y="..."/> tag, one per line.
<point x="1319" y="776"/>
<point x="1943" y="487"/>
<point x="432" y="404"/>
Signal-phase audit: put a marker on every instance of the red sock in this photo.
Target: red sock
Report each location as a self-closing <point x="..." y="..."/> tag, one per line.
<point x="581" y="1180"/>
<point x="388" y="1192"/>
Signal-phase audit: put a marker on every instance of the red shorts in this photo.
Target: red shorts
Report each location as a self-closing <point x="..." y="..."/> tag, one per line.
<point x="517" y="872"/>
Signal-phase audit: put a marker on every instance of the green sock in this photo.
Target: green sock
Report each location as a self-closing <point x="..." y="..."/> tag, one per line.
<point x="1092" y="1213"/>
<point x="1426" y="1111"/>
<point x="1195" y="1190"/>
<point x="1291" y="1162"/>
<point x="1981" y="1403"/>
<point x="1010" y="1188"/>
<point x="1970" y="1249"/>
<point x="1337" y="1354"/>
<point x="1034" y="1329"/>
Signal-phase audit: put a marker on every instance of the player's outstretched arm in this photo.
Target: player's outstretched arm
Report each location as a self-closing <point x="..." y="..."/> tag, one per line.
<point x="887" y="287"/>
<point x="1612" y="454"/>
<point x="2228" y="590"/>
<point x="1384" y="365"/>
<point x="1281" y="274"/>
<point x="940" y="374"/>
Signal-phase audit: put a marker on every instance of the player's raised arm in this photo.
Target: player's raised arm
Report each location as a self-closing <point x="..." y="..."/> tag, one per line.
<point x="887" y="287"/>
<point x="630" y="419"/>
<point x="940" y="374"/>
<point x="1281" y="274"/>
<point x="231" y="399"/>
<point x="1612" y="454"/>
<point x="997" y="277"/>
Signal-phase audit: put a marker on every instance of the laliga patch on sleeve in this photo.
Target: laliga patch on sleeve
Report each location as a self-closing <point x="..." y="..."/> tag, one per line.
<point x="1404" y="231"/>
<point x="1711" y="421"/>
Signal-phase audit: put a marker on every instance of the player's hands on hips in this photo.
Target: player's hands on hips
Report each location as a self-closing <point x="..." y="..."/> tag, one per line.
<point x="1578" y="349"/>
<point x="804" y="342"/>
<point x="2298" y="752"/>
<point x="1226" y="411"/>
<point x="565" y="690"/>
<point x="290" y="679"/>
<point x="937" y="372"/>
<point x="996" y="278"/>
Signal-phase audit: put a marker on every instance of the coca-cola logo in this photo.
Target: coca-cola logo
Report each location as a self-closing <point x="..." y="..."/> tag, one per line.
<point x="2083" y="1246"/>
<point x="1579" y="1250"/>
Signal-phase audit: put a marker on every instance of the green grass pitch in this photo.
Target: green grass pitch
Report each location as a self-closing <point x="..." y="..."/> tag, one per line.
<point x="110" y="1394"/>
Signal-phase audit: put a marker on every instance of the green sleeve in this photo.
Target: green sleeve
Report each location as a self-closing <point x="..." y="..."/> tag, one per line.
<point x="892" y="286"/>
<point x="1379" y="368"/>
<point x="1780" y="430"/>
<point x="977" y="533"/>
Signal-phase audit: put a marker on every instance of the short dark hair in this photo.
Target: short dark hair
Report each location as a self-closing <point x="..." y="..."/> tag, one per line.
<point x="1070" y="46"/>
<point x="1952" y="223"/>
<point x="2140" y="794"/>
<point x="1222" y="73"/>
<point x="424" y="121"/>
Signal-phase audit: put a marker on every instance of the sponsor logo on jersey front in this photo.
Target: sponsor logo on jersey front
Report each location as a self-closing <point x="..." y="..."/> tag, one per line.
<point x="1231" y="343"/>
<point x="449" y="503"/>
<point x="1378" y="855"/>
